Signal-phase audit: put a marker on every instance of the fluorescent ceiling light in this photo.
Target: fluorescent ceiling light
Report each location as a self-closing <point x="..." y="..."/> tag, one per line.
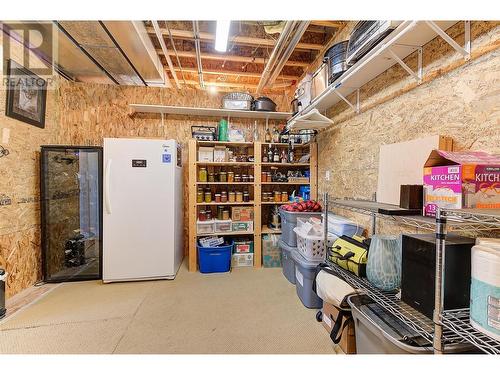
<point x="222" y="35"/>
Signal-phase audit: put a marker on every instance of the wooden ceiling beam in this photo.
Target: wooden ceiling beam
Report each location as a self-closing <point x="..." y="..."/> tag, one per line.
<point x="233" y="73"/>
<point x="243" y="59"/>
<point x="332" y="24"/>
<point x="238" y="84"/>
<point x="238" y="39"/>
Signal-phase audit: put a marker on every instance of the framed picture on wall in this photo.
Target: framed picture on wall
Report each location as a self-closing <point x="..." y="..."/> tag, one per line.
<point x="26" y="95"/>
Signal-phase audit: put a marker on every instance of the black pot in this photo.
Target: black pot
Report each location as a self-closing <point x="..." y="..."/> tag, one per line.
<point x="295" y="106"/>
<point x="335" y="57"/>
<point x="264" y="104"/>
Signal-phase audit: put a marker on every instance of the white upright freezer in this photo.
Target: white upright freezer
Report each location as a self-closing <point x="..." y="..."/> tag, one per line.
<point x="143" y="209"/>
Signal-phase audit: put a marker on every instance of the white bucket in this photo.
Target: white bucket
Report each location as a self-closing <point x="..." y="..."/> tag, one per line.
<point x="485" y="287"/>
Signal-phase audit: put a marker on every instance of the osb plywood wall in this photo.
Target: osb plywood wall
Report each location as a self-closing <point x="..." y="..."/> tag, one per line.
<point x="19" y="186"/>
<point x="457" y="99"/>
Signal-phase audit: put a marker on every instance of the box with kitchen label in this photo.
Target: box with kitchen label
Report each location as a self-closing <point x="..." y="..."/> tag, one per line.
<point x="243" y="247"/>
<point x="466" y="179"/>
<point x="242" y="213"/>
<point x="242" y="226"/>
<point x="242" y="260"/>
<point x="206" y="154"/>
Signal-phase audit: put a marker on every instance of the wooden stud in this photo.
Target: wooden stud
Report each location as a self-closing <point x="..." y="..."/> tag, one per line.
<point x="192" y="157"/>
<point x="257" y="208"/>
<point x="313" y="179"/>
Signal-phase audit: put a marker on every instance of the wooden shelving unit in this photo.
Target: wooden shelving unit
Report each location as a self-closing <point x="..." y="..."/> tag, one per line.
<point x="257" y="186"/>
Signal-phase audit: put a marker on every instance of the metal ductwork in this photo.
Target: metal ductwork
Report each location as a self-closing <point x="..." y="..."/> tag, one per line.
<point x="288" y="40"/>
<point x="196" y="32"/>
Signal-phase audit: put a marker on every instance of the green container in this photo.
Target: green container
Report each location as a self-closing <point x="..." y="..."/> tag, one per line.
<point x="223" y="130"/>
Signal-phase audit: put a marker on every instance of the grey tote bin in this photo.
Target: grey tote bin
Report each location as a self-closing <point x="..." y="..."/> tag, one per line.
<point x="305" y="272"/>
<point x="287" y="263"/>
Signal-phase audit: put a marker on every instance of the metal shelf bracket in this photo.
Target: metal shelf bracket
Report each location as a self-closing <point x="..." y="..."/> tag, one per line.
<point x="464" y="51"/>
<point x="417" y="75"/>
<point x="355" y="107"/>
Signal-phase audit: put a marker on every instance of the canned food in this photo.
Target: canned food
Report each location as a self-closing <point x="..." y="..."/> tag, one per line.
<point x="246" y="196"/>
<point x="208" y="214"/>
<point x="217" y="198"/>
<point x="284" y="196"/>
<point x="263" y="177"/>
<point x="237" y="178"/>
<point x="239" y="196"/>
<point x="211" y="177"/>
<point x="225" y="215"/>
<point x="202" y="175"/>
<point x="222" y="177"/>
<point x="199" y="196"/>
<point x="220" y="212"/>
<point x="277" y="196"/>
<point x="208" y="196"/>
<point x="202" y="216"/>
<point x="250" y="178"/>
<point x="230" y="176"/>
<point x="223" y="197"/>
<point x="244" y="178"/>
<point x="232" y="196"/>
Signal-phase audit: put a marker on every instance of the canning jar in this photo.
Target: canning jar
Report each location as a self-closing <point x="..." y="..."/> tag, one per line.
<point x="208" y="196"/>
<point x="222" y="176"/>
<point x="230" y="176"/>
<point x="250" y="178"/>
<point x="244" y="178"/>
<point x="239" y="196"/>
<point x="220" y="210"/>
<point x="202" y="175"/>
<point x="217" y="198"/>
<point x="246" y="196"/>
<point x="284" y="196"/>
<point x="208" y="214"/>
<point x="199" y="196"/>
<point x="225" y="215"/>
<point x="231" y="196"/>
<point x="263" y="177"/>
<point x="223" y="196"/>
<point x="211" y="177"/>
<point x="277" y="196"/>
<point x="237" y="178"/>
<point x="202" y="216"/>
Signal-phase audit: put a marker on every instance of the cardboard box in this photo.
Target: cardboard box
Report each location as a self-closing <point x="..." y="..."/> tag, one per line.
<point x="271" y="253"/>
<point x="348" y="341"/>
<point x="242" y="260"/>
<point x="458" y="180"/>
<point x="243" y="247"/>
<point x="220" y="154"/>
<point x="242" y="226"/>
<point x="242" y="213"/>
<point x="206" y="154"/>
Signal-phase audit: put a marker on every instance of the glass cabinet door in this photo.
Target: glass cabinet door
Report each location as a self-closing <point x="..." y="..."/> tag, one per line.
<point x="71" y="197"/>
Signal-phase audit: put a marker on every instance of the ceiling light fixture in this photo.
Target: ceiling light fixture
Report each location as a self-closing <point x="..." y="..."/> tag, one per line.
<point x="212" y="89"/>
<point x="222" y="35"/>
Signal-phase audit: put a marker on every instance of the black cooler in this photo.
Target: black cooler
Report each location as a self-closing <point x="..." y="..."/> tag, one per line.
<point x="3" y="275"/>
<point x="418" y="273"/>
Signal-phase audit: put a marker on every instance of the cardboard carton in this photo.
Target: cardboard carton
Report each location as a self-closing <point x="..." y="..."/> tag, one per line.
<point x="242" y="260"/>
<point x="242" y="213"/>
<point x="348" y="341"/>
<point x="468" y="179"/>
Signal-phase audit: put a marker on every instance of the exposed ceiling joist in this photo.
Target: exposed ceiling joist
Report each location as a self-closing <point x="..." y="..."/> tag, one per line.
<point x="244" y="59"/>
<point x="244" y="40"/>
<point x="164" y="49"/>
<point x="280" y="85"/>
<point x="233" y="73"/>
<point x="333" y="24"/>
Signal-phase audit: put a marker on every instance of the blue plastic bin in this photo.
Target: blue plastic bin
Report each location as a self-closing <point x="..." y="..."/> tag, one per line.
<point x="215" y="259"/>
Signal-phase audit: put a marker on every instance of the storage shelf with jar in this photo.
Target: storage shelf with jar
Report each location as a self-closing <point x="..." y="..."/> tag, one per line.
<point x="226" y="175"/>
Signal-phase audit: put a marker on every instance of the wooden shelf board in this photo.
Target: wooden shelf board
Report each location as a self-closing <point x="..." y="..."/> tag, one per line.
<point x="285" y="164"/>
<point x="224" y="143"/>
<point x="224" y="183"/>
<point x="207" y="112"/>
<point x="239" y="233"/>
<point x="278" y="203"/>
<point x="225" y="163"/>
<point x="266" y="230"/>
<point x="285" y="183"/>
<point x="251" y="203"/>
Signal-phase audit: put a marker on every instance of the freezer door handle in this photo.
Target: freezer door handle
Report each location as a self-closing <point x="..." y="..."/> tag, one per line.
<point x="107" y="201"/>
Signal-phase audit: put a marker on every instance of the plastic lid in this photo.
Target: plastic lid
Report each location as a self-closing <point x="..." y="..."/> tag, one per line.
<point x="298" y="258"/>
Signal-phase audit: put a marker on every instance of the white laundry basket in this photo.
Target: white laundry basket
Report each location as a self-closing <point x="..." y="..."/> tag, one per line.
<point x="311" y="245"/>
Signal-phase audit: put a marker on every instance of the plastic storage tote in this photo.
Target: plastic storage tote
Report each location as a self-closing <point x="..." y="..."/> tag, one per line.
<point x="215" y="259"/>
<point x="287" y="261"/>
<point x="289" y="222"/>
<point x="305" y="271"/>
<point x="341" y="226"/>
<point x="379" y="332"/>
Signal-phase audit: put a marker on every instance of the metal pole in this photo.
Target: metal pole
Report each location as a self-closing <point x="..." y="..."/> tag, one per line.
<point x="439" y="284"/>
<point x="374" y="217"/>
<point x="325" y="221"/>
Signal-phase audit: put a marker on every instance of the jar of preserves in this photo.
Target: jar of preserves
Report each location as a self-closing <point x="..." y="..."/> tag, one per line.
<point x="211" y="177"/>
<point x="230" y="176"/>
<point x="225" y="215"/>
<point x="199" y="196"/>
<point x="208" y="196"/>
<point x="220" y="210"/>
<point x="208" y="214"/>
<point x="237" y="178"/>
<point x="246" y="196"/>
<point x="223" y="196"/>
<point x="202" y="175"/>
<point x="222" y="176"/>
<point x="239" y="196"/>
<point x="277" y="196"/>
<point x="202" y="216"/>
<point x="250" y="178"/>
<point x="284" y="196"/>
<point x="232" y="197"/>
<point x="217" y="198"/>
<point x="263" y="176"/>
<point x="244" y="178"/>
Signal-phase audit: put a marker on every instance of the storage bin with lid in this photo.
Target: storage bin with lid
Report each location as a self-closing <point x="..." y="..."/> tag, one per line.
<point x="341" y="226"/>
<point x="289" y="221"/>
<point x="311" y="246"/>
<point x="215" y="259"/>
<point x="223" y="226"/>
<point x="485" y="287"/>
<point x="287" y="262"/>
<point x="305" y="272"/>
